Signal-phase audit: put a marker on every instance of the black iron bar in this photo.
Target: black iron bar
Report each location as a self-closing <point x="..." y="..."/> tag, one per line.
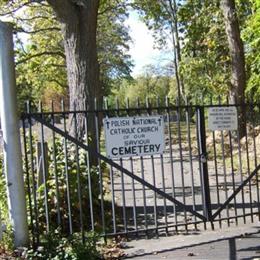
<point x="171" y="159"/>
<point x="203" y="167"/>
<point x="255" y="157"/>
<point x="178" y="114"/>
<point x="142" y="176"/>
<point x="57" y="191"/>
<point x="241" y="174"/>
<point x="111" y="176"/>
<point x="27" y="174"/>
<point x="154" y="198"/>
<point x="91" y="210"/>
<point x="199" y="161"/>
<point x="44" y="160"/>
<point x="248" y="172"/>
<point x="33" y="174"/>
<point x="122" y="181"/>
<point x="188" y="125"/>
<point x="162" y="172"/>
<point x="232" y="171"/>
<point x="78" y="178"/>
<point x="101" y="192"/>
<point x="216" y="171"/>
<point x="65" y="145"/>
<point x="132" y="180"/>
<point x="224" y="170"/>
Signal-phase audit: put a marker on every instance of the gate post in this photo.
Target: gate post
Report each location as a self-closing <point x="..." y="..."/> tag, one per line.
<point x="11" y="138"/>
<point x="203" y="165"/>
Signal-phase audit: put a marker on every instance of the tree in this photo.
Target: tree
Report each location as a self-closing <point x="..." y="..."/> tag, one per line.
<point x="78" y="21"/>
<point x="251" y="37"/>
<point x="162" y="17"/>
<point x="238" y="74"/>
<point x="113" y="39"/>
<point x="205" y="57"/>
<point x="155" y="83"/>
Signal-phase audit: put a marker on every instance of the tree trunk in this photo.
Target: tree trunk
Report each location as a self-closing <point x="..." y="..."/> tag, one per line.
<point x="238" y="77"/>
<point x="172" y="10"/>
<point x="79" y="28"/>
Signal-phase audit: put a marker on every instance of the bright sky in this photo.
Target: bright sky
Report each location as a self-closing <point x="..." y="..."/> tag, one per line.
<point x="142" y="50"/>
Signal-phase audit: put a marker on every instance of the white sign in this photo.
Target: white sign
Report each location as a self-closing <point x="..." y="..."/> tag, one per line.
<point x="134" y="136"/>
<point x="222" y="118"/>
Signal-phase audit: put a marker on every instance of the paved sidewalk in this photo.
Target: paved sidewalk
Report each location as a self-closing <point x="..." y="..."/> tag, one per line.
<point x="202" y="245"/>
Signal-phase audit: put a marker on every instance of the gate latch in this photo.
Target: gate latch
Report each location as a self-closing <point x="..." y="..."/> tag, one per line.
<point x="204" y="157"/>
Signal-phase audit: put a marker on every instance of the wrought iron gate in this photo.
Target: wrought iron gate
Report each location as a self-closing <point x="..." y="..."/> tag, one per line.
<point x="202" y="176"/>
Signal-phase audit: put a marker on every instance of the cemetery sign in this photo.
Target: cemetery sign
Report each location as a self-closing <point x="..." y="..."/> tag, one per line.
<point x="222" y="118"/>
<point x="134" y="136"/>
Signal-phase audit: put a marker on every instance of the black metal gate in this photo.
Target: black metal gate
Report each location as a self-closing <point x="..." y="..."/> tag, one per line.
<point x="202" y="177"/>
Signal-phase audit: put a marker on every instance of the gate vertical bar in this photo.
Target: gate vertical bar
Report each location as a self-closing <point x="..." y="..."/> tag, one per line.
<point x="216" y="168"/>
<point x="188" y="126"/>
<point x="28" y="182"/>
<point x="45" y="176"/>
<point x="180" y="145"/>
<point x="232" y="170"/>
<point x="66" y="169"/>
<point x="163" y="173"/>
<point x="57" y="190"/>
<point x="100" y="174"/>
<point x="111" y="176"/>
<point x="143" y="187"/>
<point x="167" y="104"/>
<point x="78" y="173"/>
<point x="89" y="186"/>
<point x="32" y="167"/>
<point x="122" y="178"/>
<point x="248" y="166"/>
<point x="203" y="163"/>
<point x="133" y="182"/>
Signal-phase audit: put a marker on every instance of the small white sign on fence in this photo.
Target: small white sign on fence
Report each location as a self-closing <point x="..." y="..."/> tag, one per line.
<point x="134" y="136"/>
<point x="222" y="118"/>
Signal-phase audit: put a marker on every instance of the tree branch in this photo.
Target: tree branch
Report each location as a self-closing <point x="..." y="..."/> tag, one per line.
<point x="58" y="83"/>
<point x="61" y="54"/>
<point x="21" y="6"/>
<point x="35" y="17"/>
<point x="37" y="31"/>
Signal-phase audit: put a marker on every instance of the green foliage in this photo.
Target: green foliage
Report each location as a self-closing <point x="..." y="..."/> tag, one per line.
<point x="3" y="196"/>
<point x="113" y="39"/>
<point x="152" y="84"/>
<point x="40" y="59"/>
<point x="57" y="247"/>
<point x="7" y="239"/>
<point x="205" y="65"/>
<point x="78" y="180"/>
<point x="251" y="36"/>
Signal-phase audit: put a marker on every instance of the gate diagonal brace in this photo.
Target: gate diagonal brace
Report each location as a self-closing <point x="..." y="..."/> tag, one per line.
<point x="118" y="167"/>
<point x="236" y="192"/>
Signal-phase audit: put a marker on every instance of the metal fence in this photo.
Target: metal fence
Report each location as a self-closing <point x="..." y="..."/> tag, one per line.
<point x="202" y="176"/>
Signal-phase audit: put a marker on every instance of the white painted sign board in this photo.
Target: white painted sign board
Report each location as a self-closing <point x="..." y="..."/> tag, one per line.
<point x="222" y="118"/>
<point x="134" y="136"/>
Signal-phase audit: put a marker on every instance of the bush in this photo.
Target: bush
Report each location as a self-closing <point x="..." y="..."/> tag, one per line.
<point x="54" y="246"/>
